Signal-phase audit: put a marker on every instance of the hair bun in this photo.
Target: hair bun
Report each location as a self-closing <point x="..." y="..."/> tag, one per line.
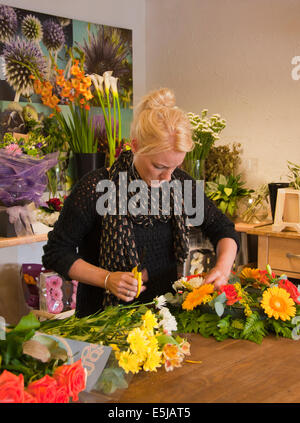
<point x="163" y="97"/>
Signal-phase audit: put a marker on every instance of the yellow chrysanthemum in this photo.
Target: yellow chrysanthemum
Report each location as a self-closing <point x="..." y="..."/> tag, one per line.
<point x="153" y="360"/>
<point x="150" y="321"/>
<point x="129" y="362"/>
<point x="198" y="296"/>
<point x="116" y="350"/>
<point x="277" y="303"/>
<point x="153" y="343"/>
<point x="138" y="342"/>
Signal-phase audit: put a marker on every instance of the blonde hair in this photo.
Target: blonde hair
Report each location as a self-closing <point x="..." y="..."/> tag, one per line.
<point x="158" y="125"/>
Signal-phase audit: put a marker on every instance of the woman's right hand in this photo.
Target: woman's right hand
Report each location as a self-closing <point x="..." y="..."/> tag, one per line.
<point x="123" y="285"/>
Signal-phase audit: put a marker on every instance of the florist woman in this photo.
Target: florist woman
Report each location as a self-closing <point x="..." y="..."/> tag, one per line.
<point x="101" y="249"/>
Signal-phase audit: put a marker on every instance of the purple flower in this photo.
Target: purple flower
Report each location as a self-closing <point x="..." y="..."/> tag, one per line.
<point x="53" y="36"/>
<point x="8" y="23"/>
<point x="21" y="59"/>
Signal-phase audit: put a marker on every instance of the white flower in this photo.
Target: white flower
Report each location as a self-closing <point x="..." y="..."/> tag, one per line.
<point x="97" y="81"/>
<point x="107" y="78"/>
<point x="113" y="85"/>
<point x="168" y="321"/>
<point x="179" y="284"/>
<point x="160" y="301"/>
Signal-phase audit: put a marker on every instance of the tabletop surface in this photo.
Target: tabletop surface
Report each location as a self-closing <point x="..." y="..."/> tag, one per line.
<point x="231" y="371"/>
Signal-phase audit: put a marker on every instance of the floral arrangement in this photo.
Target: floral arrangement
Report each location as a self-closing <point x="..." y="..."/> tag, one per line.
<point x="254" y="304"/>
<point x="32" y="370"/>
<point x="205" y="132"/>
<point x="22" y="176"/>
<point x="75" y="90"/>
<point x="48" y="213"/>
<point x="140" y="336"/>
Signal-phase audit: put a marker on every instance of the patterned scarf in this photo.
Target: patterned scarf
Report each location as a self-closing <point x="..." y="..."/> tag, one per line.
<point x="118" y="251"/>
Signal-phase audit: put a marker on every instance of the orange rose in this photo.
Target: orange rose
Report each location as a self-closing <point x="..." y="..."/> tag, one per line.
<point x="29" y="399"/>
<point x="72" y="376"/>
<point x="43" y="389"/>
<point x="62" y="396"/>
<point x="11" y="387"/>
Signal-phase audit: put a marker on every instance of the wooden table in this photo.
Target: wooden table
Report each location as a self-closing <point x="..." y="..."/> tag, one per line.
<point x="281" y="250"/>
<point x="232" y="371"/>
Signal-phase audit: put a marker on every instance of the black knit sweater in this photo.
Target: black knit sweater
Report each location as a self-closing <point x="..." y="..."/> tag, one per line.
<point x="76" y="235"/>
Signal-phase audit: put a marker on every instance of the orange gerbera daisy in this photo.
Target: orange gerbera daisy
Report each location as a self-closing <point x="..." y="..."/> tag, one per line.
<point x="249" y="274"/>
<point x="198" y="296"/>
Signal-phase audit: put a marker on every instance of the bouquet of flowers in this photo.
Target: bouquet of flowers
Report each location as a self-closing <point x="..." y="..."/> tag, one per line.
<point x="140" y="336"/>
<point x="254" y="304"/>
<point x="72" y="87"/>
<point x="205" y="132"/>
<point x="48" y="213"/>
<point x="22" y="181"/>
<point x="33" y="370"/>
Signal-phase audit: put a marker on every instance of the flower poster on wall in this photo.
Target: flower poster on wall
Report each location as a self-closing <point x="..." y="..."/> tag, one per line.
<point x="34" y="43"/>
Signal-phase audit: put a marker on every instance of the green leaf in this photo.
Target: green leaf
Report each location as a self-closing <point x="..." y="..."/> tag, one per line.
<point x="165" y="339"/>
<point x="222" y="180"/>
<point x="219" y="309"/>
<point x="26" y="323"/>
<point x="281" y="328"/>
<point x="228" y="191"/>
<point x="254" y="329"/>
<point x="220" y="298"/>
<point x="224" y="325"/>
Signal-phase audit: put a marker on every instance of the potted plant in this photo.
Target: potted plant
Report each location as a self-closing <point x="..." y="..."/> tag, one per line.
<point x="226" y="192"/>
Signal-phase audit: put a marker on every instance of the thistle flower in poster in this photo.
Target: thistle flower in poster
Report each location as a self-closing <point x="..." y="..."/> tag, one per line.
<point x="8" y="23"/>
<point x="31" y="28"/>
<point x="21" y="58"/>
<point x="53" y="35"/>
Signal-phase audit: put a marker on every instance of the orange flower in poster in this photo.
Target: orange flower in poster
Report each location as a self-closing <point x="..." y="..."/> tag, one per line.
<point x="37" y="85"/>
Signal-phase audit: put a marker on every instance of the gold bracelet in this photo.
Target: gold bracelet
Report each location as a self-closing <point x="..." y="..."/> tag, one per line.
<point x="105" y="282"/>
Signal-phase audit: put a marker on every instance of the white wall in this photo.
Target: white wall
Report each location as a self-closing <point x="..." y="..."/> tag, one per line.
<point x="234" y="58"/>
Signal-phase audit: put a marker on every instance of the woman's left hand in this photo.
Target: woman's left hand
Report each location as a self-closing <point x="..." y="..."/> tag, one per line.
<point x="216" y="276"/>
<point x="226" y="252"/>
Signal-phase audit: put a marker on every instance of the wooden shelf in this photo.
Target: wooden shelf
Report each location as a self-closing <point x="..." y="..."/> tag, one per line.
<point x="21" y="240"/>
<point x="245" y="227"/>
<point x="267" y="231"/>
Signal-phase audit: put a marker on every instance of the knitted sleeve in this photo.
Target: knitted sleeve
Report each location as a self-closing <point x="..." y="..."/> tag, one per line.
<point x="216" y="225"/>
<point x="78" y="218"/>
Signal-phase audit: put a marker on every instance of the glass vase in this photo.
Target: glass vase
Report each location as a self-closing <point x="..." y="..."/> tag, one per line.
<point x="195" y="168"/>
